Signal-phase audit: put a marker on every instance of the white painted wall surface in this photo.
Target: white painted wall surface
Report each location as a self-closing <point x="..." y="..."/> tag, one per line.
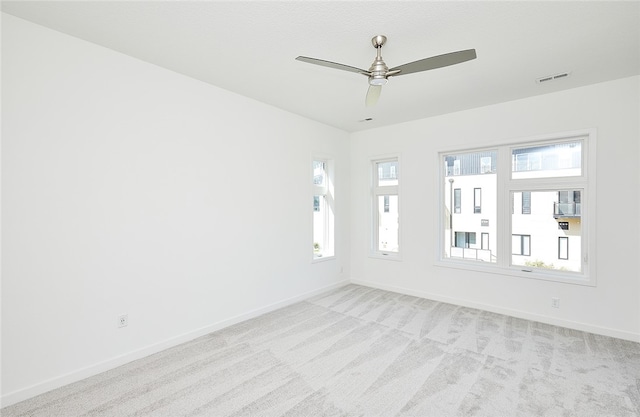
<point x="131" y="189"/>
<point x="611" y="307"/>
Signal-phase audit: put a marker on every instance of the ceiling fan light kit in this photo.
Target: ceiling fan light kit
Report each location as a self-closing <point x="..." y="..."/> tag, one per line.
<point x="378" y="73"/>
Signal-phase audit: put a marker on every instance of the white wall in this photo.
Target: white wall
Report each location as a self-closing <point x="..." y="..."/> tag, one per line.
<point x="609" y="308"/>
<point x="131" y="189"/>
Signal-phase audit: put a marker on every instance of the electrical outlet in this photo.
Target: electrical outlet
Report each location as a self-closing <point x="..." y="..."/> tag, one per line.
<point x="123" y="320"/>
<point x="555" y="302"/>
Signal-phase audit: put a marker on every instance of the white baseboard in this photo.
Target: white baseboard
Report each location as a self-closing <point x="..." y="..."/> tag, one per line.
<point x="91" y="370"/>
<point x="605" y="331"/>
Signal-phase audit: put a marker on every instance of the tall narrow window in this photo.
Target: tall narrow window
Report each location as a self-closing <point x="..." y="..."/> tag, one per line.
<point x="526" y="202"/>
<point x="485" y="241"/>
<point x="563" y="248"/>
<point x="386" y="230"/>
<point x="323" y="209"/>
<point x="477" y="200"/>
<point x="457" y="201"/>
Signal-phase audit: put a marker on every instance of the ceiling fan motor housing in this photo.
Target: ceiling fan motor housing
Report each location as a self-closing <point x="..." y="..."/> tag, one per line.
<point x="378" y="69"/>
<point x="378" y="72"/>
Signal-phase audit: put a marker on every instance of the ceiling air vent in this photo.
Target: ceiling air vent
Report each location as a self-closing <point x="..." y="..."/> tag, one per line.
<point x="553" y="77"/>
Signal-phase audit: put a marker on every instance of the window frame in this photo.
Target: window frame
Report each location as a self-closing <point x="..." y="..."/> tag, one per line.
<point x="506" y="185"/>
<point x="377" y="191"/>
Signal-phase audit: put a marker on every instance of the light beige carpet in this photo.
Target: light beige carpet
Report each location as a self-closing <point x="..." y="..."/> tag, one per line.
<point x="358" y="351"/>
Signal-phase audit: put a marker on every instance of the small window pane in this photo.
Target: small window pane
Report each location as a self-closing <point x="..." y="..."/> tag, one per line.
<point x="553" y="160"/>
<point x="473" y="163"/>
<point x="387" y="173"/>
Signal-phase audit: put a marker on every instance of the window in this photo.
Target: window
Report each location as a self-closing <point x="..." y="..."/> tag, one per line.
<point x="521" y="245"/>
<point x="485" y="241"/>
<point x="385" y="196"/>
<point x="465" y="239"/>
<point x="526" y="202"/>
<point x="546" y="184"/>
<point x="323" y="209"/>
<point x="470" y="171"/>
<point x="477" y="205"/>
<point x="563" y="248"/>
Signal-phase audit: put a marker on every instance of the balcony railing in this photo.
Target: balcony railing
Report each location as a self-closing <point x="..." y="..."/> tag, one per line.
<point x="471" y="253"/>
<point x="567" y="210"/>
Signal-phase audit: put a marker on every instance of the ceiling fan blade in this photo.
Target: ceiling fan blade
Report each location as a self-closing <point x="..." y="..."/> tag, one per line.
<point x="373" y="94"/>
<point x="332" y="65"/>
<point x="434" y="62"/>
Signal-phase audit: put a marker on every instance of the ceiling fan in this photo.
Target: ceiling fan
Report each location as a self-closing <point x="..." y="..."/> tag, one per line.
<point x="378" y="72"/>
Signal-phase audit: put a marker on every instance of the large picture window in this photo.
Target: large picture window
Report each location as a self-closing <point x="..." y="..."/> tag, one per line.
<point x="386" y="214"/>
<point x="535" y="196"/>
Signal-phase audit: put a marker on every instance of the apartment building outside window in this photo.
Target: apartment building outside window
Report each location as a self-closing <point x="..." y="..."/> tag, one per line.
<point x="547" y="186"/>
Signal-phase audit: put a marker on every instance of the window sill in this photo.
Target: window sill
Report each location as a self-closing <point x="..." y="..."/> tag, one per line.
<point x="316" y="260"/>
<point x="519" y="272"/>
<point x="387" y="256"/>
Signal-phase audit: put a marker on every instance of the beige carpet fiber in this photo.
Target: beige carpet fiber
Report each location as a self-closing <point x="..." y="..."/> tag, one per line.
<point x="358" y="351"/>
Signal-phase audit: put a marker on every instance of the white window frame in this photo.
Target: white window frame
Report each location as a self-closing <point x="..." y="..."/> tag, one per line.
<point x="327" y="193"/>
<point x="506" y="185"/>
<point x="377" y="191"/>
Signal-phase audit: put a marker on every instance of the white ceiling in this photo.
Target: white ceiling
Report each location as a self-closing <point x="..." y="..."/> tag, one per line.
<point x="249" y="48"/>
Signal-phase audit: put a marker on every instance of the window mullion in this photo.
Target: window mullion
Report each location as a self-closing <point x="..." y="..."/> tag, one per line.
<point x="503" y="204"/>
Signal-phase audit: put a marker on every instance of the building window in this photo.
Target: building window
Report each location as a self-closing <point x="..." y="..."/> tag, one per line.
<point x="477" y="200"/>
<point x="526" y="202"/>
<point x="465" y="239"/>
<point x="547" y="184"/>
<point x="563" y="248"/>
<point x="521" y="245"/>
<point x="323" y="209"/>
<point x="457" y="197"/>
<point x="385" y="197"/>
<point x="485" y="241"/>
